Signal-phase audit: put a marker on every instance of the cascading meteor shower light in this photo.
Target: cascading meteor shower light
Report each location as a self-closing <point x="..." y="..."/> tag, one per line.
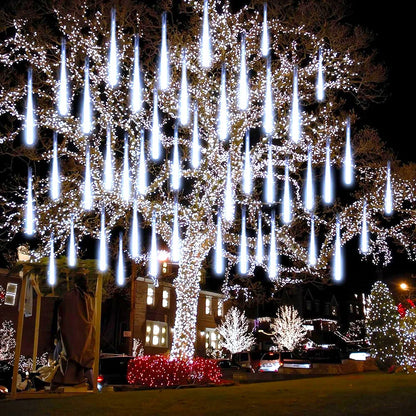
<point x="155" y="134"/>
<point x="121" y="275"/>
<point x="348" y="168"/>
<point x="259" y="242"/>
<point x="108" y="163"/>
<point x="176" y="167"/>
<point x="337" y="260"/>
<point x="196" y="152"/>
<point x="125" y="177"/>
<point x="247" y="175"/>
<point x="295" y="115"/>
<point x="153" y="259"/>
<point x="55" y="181"/>
<point x="52" y="263"/>
<point x="328" y="195"/>
<point x="312" y="253"/>
<point x="72" y="248"/>
<point x="88" y="193"/>
<point x="243" y="244"/>
<point x="136" y="93"/>
<point x="265" y="33"/>
<point x="135" y="234"/>
<point x="102" y="248"/>
<point x="364" y="231"/>
<point x="388" y="195"/>
<point x="205" y="45"/>
<point x="268" y="111"/>
<point x="273" y="256"/>
<point x="184" y="94"/>
<point x="112" y="68"/>
<point x="141" y="180"/>
<point x="30" y="118"/>
<point x="320" y="80"/>
<point x="269" y="184"/>
<point x="164" y="71"/>
<point x="243" y="92"/>
<point x="309" y="193"/>
<point x="86" y="115"/>
<point x="218" y="257"/>
<point x="63" y="92"/>
<point x="287" y="200"/>
<point x="29" y="219"/>
<point x="223" y="120"/>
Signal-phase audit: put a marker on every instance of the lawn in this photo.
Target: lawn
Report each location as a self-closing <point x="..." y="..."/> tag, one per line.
<point x="356" y="394"/>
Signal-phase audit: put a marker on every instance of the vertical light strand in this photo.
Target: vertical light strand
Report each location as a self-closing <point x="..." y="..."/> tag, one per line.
<point x="243" y="244"/>
<point x="265" y="33"/>
<point x="388" y="195"/>
<point x="164" y="71"/>
<point x="183" y="93"/>
<point x="259" y="242"/>
<point x="55" y="182"/>
<point x="364" y="231"/>
<point x="175" y="167"/>
<point x="295" y="115"/>
<point x="223" y="120"/>
<point x="155" y="135"/>
<point x="309" y="193"/>
<point x="86" y="115"/>
<point x="88" y="192"/>
<point x="72" y="247"/>
<point x="338" y="265"/>
<point x="243" y="92"/>
<point x="112" y="68"/>
<point x="269" y="185"/>
<point x="108" y="163"/>
<point x="312" y="252"/>
<point x="121" y="275"/>
<point x="348" y="168"/>
<point x="136" y="92"/>
<point x="176" y="243"/>
<point x="196" y="156"/>
<point x="125" y="178"/>
<point x="134" y="234"/>
<point x="287" y="200"/>
<point x="320" y="80"/>
<point x="247" y="176"/>
<point x="268" y="111"/>
<point x="205" y="47"/>
<point x="52" y="275"/>
<point x="328" y="196"/>
<point x="63" y="93"/>
<point x="153" y="258"/>
<point x="29" y="220"/>
<point x="273" y="258"/>
<point x="229" y="203"/>
<point x="141" y="181"/>
<point x="218" y="257"/>
<point x="29" y="133"/>
<point x="102" y="248"/>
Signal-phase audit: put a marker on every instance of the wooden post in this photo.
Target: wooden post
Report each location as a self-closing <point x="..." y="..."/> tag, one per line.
<point x="132" y="304"/>
<point x="37" y="322"/>
<point x="19" y="334"/>
<point x="97" y="324"/>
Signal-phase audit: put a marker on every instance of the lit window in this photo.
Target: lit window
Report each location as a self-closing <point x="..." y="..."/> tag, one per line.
<point x="165" y="298"/>
<point x="219" y="308"/>
<point x="150" y="295"/>
<point x="212" y="338"/>
<point x="156" y="334"/>
<point x="164" y="267"/>
<point x="334" y="310"/>
<point x="208" y="305"/>
<point x="11" y="292"/>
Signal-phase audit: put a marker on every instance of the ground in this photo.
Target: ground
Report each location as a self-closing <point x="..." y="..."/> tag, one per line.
<point x="371" y="393"/>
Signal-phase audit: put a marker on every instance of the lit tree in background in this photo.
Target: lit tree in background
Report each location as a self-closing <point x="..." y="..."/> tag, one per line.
<point x="287" y="328"/>
<point x="214" y="139"/>
<point x="382" y="324"/>
<point x="235" y="333"/>
<point x="7" y="341"/>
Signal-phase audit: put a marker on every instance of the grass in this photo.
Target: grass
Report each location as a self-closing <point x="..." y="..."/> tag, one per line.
<point x="356" y="394"/>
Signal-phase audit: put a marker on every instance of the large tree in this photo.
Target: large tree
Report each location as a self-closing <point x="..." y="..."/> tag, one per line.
<point x="226" y="125"/>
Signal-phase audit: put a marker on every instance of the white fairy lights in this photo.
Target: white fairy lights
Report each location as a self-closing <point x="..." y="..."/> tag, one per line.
<point x="216" y="157"/>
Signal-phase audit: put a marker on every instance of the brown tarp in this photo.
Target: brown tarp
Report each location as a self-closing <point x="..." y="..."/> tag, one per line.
<point x="76" y="323"/>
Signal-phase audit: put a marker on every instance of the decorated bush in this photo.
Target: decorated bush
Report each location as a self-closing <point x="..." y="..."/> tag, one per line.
<point x="162" y="371"/>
